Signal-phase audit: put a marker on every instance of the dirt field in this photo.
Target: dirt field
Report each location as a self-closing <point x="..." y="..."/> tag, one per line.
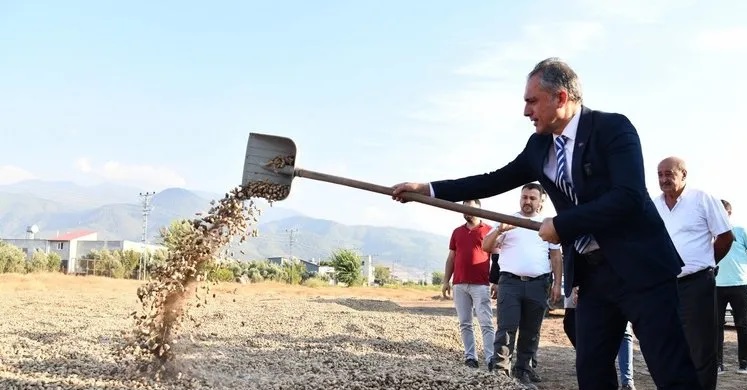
<point x="59" y="332"/>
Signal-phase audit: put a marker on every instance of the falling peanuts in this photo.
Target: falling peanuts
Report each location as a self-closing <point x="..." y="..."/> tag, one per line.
<point x="165" y="297"/>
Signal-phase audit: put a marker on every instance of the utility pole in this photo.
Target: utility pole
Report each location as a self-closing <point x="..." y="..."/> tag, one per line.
<point x="425" y="271"/>
<point x="147" y="208"/>
<point x="291" y="241"/>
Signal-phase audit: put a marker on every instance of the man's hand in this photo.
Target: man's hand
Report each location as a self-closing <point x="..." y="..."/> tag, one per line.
<point x="555" y="292"/>
<point x="574" y="296"/>
<point x="420" y="188"/>
<point x="493" y="291"/>
<point x="446" y="290"/>
<point x="505" y="227"/>
<point x="547" y="231"/>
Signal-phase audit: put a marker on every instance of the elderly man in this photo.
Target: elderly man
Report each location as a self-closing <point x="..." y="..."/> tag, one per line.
<point x="700" y="230"/>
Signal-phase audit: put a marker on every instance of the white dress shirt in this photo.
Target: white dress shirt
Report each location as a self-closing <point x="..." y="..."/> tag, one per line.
<point x="552" y="163"/>
<point x="523" y="252"/>
<point x="692" y="223"/>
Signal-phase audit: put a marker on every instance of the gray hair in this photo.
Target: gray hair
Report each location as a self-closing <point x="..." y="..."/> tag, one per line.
<point x="556" y="75"/>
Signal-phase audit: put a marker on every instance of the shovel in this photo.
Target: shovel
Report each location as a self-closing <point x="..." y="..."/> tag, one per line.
<point x="264" y="147"/>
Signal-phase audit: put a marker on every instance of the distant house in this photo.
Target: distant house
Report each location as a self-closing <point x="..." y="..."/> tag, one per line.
<point x="310" y="267"/>
<point x="367" y="269"/>
<point x="71" y="246"/>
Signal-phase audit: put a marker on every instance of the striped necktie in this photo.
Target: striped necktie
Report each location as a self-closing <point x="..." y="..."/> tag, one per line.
<point x="565" y="186"/>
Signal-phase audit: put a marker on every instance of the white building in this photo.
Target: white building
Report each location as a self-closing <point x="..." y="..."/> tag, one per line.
<point x="72" y="246"/>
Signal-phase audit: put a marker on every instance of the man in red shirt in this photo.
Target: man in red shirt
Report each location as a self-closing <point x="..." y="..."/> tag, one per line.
<point x="470" y="267"/>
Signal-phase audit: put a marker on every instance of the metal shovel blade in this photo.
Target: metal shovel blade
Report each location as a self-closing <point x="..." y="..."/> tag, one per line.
<point x="260" y="150"/>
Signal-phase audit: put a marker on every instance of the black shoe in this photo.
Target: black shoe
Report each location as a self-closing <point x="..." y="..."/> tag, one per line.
<point x="527" y="376"/>
<point x="522" y="376"/>
<point x="471" y="363"/>
<point x="533" y="376"/>
<point x="491" y="365"/>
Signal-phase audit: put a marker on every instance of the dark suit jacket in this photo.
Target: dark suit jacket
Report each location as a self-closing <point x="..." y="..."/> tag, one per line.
<point x="495" y="269"/>
<point x="614" y="204"/>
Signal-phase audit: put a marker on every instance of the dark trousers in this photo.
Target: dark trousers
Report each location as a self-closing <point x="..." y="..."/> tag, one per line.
<point x="521" y="307"/>
<point x="605" y="306"/>
<point x="736" y="296"/>
<point x="698" y="310"/>
<point x="569" y="325"/>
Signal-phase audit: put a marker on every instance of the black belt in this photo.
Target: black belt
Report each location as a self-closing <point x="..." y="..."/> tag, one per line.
<point x="695" y="275"/>
<point x="525" y="278"/>
<point x="594" y="257"/>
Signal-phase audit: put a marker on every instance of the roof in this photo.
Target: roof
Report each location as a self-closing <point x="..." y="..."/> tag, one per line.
<point x="74" y="235"/>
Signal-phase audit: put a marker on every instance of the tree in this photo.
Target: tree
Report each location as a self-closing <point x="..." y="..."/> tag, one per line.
<point x="38" y="262"/>
<point x="54" y="262"/>
<point x="176" y="233"/>
<point x="294" y="271"/>
<point x="348" y="265"/>
<point x="12" y="258"/>
<point x="437" y="278"/>
<point x="382" y="275"/>
<point x="130" y="260"/>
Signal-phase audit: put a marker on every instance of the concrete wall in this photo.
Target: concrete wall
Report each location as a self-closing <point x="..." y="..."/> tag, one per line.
<point x="28" y="246"/>
<point x="368" y="271"/>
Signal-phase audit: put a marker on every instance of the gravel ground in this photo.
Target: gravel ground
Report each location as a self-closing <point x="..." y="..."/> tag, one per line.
<point x="61" y="332"/>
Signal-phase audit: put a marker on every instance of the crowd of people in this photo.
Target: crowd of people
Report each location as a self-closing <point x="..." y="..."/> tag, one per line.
<point x="662" y="269"/>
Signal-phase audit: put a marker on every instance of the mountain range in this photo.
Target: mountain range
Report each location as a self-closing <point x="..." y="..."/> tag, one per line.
<point x="116" y="213"/>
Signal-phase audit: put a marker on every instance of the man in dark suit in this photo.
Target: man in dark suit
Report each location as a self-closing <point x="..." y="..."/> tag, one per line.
<point x="616" y="247"/>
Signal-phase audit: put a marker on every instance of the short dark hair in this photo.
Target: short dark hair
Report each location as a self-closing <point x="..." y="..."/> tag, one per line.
<point x="477" y="201"/>
<point x="534" y="186"/>
<point x="726" y="204"/>
<point x="555" y="74"/>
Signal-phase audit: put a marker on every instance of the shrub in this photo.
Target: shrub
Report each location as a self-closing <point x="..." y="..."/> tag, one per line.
<point x="221" y="273"/>
<point x="315" y="282"/>
<point x="38" y="262"/>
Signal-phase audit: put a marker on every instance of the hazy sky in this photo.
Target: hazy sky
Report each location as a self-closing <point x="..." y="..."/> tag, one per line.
<point x="161" y="94"/>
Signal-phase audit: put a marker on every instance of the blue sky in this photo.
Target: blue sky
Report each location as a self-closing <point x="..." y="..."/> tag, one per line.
<point x="160" y="95"/>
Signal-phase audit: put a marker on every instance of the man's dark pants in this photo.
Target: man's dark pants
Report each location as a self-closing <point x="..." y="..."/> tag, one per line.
<point x="604" y="307"/>
<point x="698" y="309"/>
<point x="521" y="306"/>
<point x="736" y="296"/>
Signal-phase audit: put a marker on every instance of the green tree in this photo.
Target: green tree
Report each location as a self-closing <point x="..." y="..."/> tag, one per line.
<point x="12" y="259"/>
<point x="294" y="271"/>
<point x="38" y="262"/>
<point x="175" y="234"/>
<point x="130" y="260"/>
<point x="348" y="265"/>
<point x="382" y="275"/>
<point x="437" y="278"/>
<point x="108" y="263"/>
<point x="54" y="262"/>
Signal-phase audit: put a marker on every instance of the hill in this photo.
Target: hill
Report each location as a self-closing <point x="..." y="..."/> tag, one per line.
<point x="58" y="207"/>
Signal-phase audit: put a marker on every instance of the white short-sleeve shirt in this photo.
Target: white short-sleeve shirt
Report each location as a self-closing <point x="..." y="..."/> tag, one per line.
<point x="523" y="252"/>
<point x="693" y="223"/>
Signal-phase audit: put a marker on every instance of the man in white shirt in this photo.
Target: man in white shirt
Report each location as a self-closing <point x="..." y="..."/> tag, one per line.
<point x="701" y="232"/>
<point x="528" y="266"/>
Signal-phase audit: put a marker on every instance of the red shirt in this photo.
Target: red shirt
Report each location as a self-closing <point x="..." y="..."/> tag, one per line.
<point x="471" y="263"/>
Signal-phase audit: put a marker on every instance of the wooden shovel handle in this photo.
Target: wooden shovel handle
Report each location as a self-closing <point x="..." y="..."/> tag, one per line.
<point x="412" y="196"/>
